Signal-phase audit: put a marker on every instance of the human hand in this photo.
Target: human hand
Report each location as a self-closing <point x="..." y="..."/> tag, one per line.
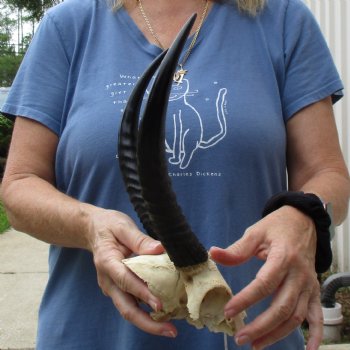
<point x="286" y="239"/>
<point x="113" y="237"/>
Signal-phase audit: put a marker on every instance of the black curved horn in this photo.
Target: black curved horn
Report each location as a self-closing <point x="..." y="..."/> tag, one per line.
<point x="128" y="142"/>
<point x="168" y="221"/>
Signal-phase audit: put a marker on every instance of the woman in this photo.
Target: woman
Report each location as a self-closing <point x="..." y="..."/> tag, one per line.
<point x="252" y="99"/>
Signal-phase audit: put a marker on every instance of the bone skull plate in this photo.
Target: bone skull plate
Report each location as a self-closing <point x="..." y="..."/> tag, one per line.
<point x="196" y="295"/>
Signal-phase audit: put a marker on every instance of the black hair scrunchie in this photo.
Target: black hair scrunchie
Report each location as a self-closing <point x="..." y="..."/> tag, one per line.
<point x="312" y="206"/>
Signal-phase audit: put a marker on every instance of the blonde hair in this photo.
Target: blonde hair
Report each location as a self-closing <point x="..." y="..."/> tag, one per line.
<point x="249" y="6"/>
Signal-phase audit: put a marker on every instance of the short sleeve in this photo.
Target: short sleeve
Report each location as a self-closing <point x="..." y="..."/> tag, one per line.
<point x="39" y="89"/>
<point x="310" y="73"/>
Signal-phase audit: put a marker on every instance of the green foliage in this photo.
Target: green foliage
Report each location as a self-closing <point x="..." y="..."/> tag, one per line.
<point x="9" y="65"/>
<point x="5" y="47"/>
<point x="4" y="223"/>
<point x="6" y="127"/>
<point x="35" y="8"/>
<point x="7" y="22"/>
<point x="7" y="25"/>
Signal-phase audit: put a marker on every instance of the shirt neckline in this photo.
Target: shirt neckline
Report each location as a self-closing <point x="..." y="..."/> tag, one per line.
<point x="136" y="34"/>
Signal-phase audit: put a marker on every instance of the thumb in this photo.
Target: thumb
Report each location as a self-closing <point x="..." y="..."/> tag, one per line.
<point x="147" y="245"/>
<point x="129" y="235"/>
<point x="235" y="254"/>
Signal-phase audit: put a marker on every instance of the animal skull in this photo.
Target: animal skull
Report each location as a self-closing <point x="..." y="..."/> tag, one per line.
<point x="197" y="294"/>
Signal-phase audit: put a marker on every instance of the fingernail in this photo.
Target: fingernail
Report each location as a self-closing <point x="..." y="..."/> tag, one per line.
<point x="242" y="339"/>
<point x="155" y="307"/>
<point x="154" y="244"/>
<point x="153" y="304"/>
<point x="169" y="334"/>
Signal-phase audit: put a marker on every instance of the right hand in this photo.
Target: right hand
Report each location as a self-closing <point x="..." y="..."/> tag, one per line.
<point x="113" y="236"/>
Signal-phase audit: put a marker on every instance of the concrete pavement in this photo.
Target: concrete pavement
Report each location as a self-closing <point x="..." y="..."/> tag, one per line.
<point x="23" y="275"/>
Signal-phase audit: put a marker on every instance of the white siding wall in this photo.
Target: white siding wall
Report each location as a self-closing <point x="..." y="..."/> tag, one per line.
<point x="333" y="17"/>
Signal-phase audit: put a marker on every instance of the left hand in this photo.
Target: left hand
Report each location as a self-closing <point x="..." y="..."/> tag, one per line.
<point x="286" y="239"/>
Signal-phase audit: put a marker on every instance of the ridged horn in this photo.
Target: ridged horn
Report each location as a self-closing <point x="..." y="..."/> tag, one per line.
<point x="128" y="142"/>
<point x="168" y="221"/>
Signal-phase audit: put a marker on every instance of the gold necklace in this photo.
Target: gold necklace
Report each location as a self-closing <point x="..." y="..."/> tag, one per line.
<point x="180" y="73"/>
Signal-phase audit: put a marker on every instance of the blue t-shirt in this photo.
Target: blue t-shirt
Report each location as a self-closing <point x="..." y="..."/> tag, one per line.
<point x="225" y="141"/>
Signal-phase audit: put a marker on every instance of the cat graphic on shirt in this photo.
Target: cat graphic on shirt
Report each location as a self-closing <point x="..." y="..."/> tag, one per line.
<point x="188" y="128"/>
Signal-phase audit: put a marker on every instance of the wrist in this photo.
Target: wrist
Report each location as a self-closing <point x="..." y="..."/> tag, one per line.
<point x="297" y="215"/>
<point x="312" y="206"/>
<point x="328" y="207"/>
<point x="86" y="215"/>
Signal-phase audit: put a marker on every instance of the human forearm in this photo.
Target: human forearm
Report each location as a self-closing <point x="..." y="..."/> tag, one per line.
<point x="30" y="197"/>
<point x="314" y="157"/>
<point x="332" y="186"/>
<point x="34" y="206"/>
